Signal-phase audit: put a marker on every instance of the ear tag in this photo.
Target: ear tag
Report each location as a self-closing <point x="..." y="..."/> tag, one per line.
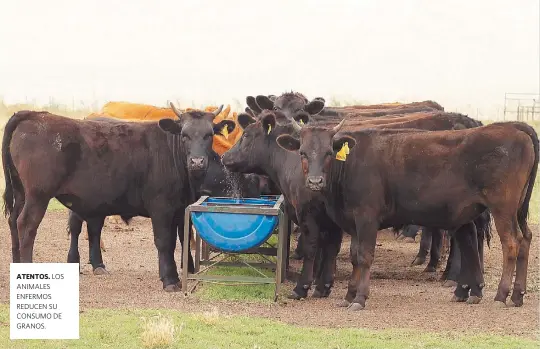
<point x="269" y="129"/>
<point x="342" y="153"/>
<point x="301" y="122"/>
<point x="225" y="131"/>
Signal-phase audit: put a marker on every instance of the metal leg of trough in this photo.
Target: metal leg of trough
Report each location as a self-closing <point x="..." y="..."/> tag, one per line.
<point x="283" y="221"/>
<point x="187" y="219"/>
<point x="197" y="250"/>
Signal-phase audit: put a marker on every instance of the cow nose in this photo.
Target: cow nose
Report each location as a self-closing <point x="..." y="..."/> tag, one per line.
<point x="317" y="180"/>
<point x="196" y="162"/>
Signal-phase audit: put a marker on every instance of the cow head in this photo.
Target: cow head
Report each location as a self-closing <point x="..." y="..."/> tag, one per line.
<point x="318" y="147"/>
<point x="196" y="130"/>
<point x="253" y="149"/>
<point x="293" y="105"/>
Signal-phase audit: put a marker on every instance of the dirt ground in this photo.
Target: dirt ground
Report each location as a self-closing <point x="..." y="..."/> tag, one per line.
<point x="401" y="296"/>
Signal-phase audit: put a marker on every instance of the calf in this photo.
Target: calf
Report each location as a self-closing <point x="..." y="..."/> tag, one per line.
<point x="441" y="179"/>
<point x="98" y="169"/>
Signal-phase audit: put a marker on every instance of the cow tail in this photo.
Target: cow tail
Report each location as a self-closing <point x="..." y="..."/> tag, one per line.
<point x="10" y="172"/>
<point x="523" y="211"/>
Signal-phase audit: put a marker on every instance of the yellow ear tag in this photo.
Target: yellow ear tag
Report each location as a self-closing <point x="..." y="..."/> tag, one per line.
<point x="301" y="122"/>
<point x="269" y="128"/>
<point x="225" y="131"/>
<point x="343" y="152"/>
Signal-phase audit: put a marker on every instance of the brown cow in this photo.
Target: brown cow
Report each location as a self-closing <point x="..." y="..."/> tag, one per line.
<point x="441" y="179"/>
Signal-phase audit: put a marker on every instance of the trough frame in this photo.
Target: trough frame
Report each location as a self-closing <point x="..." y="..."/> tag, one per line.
<point x="281" y="252"/>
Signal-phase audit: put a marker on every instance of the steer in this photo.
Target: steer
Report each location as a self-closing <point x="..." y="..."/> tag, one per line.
<point x="100" y="168"/>
<point x="257" y="152"/>
<point x="441" y="179"/>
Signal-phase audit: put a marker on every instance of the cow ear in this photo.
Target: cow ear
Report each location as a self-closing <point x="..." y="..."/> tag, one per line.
<point x="224" y="127"/>
<point x="338" y="143"/>
<point x="244" y="120"/>
<point x="288" y="142"/>
<point x="269" y="122"/>
<point x="302" y="118"/>
<point x="315" y="106"/>
<point x="170" y="126"/>
<point x="249" y="111"/>
<point x="250" y="101"/>
<point x="264" y="102"/>
<point x="272" y="97"/>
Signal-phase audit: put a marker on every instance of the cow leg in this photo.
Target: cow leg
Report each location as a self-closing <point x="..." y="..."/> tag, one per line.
<point x="435" y="252"/>
<point x="94" y="227"/>
<point x="17" y="208"/>
<point x="425" y="243"/>
<point x="164" y="229"/>
<point x="511" y="237"/>
<point x="481" y="250"/>
<point x="470" y="278"/>
<point x="28" y="221"/>
<point x="330" y="247"/>
<point x="520" y="283"/>
<point x="74" y="227"/>
<point x="311" y="235"/>
<point x="362" y="255"/>
<point x="180" y="229"/>
<point x="297" y="253"/>
<point x="453" y="265"/>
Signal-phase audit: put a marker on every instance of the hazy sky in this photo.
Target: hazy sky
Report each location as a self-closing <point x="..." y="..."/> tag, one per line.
<point x="463" y="54"/>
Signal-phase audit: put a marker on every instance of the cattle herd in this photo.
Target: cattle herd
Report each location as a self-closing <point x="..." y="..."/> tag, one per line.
<point x="354" y="169"/>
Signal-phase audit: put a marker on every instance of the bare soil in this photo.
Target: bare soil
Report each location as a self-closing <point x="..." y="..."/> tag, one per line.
<point x="401" y="296"/>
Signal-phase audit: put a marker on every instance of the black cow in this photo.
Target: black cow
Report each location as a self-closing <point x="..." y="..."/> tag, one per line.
<point x="441" y="179"/>
<point x="100" y="168"/>
<point x="257" y="152"/>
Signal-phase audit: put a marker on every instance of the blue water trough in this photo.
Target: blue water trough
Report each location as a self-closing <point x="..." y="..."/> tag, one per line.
<point x="234" y="226"/>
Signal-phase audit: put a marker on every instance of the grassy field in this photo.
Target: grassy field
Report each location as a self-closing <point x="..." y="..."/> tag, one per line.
<point x="166" y="329"/>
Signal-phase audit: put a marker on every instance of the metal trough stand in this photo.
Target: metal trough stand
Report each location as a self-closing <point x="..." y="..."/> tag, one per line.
<point x="280" y="252"/>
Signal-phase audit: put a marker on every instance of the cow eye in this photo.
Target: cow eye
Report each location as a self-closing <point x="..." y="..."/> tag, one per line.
<point x="276" y="108"/>
<point x="302" y="154"/>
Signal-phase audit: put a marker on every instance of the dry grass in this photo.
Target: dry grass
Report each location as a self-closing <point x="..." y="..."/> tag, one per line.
<point x="158" y="332"/>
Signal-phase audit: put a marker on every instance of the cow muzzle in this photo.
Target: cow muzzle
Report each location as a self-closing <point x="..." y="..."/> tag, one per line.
<point x="315" y="183"/>
<point x="197" y="164"/>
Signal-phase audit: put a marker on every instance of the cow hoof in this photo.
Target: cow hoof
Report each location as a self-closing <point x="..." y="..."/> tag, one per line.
<point x="355" y="307"/>
<point x="172" y="288"/>
<point x="344" y="303"/>
<point x="499" y="304"/>
<point x="295" y="296"/>
<point x="101" y="271"/>
<point x="430" y="269"/>
<point x="458" y="299"/>
<point x="321" y="294"/>
<point x="418" y="261"/>
<point x="474" y="300"/>
<point x="517" y="299"/>
<point x="409" y="240"/>
<point x="449" y="283"/>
